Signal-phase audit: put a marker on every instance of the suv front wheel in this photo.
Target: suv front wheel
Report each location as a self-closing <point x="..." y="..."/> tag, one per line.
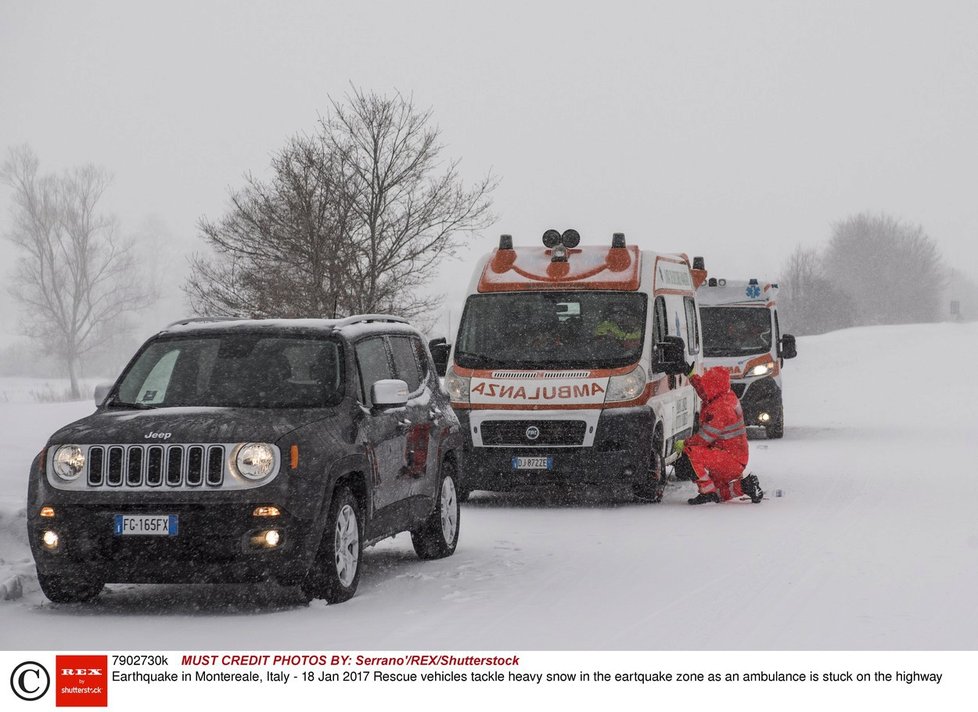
<point x="438" y="536"/>
<point x="335" y="573"/>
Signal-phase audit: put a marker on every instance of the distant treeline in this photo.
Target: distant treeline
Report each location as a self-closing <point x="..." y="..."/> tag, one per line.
<point x="874" y="270"/>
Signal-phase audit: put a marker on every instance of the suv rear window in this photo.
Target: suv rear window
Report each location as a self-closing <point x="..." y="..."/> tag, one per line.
<point x="235" y="371"/>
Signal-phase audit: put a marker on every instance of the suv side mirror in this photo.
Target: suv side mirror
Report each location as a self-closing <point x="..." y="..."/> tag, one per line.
<point x="788" y="349"/>
<point x="440" y="348"/>
<point x="671" y="356"/>
<point x="101" y="391"/>
<point x="389" y="393"/>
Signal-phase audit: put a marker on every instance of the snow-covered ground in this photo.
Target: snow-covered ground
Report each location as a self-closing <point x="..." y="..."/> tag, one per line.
<point x="873" y="545"/>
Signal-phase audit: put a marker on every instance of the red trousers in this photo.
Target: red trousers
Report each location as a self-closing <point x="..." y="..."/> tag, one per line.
<point x="716" y="471"/>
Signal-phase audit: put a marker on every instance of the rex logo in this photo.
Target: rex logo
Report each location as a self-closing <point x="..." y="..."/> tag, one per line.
<point x="82" y="681"/>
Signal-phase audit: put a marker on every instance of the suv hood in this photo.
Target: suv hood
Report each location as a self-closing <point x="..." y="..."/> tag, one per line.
<point x="187" y="425"/>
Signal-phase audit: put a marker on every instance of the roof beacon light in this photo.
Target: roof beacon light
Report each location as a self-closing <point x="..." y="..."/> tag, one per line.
<point x="505" y="242"/>
<point x="712" y="282"/>
<point x="559" y="254"/>
<point x="551" y="238"/>
<point x="699" y="263"/>
<point x="571" y="238"/>
<point x="618" y="239"/>
<point x="752" y="281"/>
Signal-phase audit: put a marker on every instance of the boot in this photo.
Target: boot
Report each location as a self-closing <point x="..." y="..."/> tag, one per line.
<point x="752" y="488"/>
<point x="704" y="498"/>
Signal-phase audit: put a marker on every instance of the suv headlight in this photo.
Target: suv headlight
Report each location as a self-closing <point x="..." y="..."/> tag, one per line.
<point x="254" y="461"/>
<point x="761" y="369"/>
<point x="626" y="387"/>
<point x="457" y="387"/>
<point x="69" y="461"/>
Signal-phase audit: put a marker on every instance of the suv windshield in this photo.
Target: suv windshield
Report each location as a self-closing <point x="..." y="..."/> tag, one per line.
<point x="735" y="331"/>
<point x="236" y="371"/>
<point x="552" y="330"/>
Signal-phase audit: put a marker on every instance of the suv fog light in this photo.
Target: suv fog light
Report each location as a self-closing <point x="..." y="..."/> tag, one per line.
<point x="764" y="417"/>
<point x="50" y="539"/>
<point x="268" y="539"/>
<point x="266" y="511"/>
<point x="47" y="512"/>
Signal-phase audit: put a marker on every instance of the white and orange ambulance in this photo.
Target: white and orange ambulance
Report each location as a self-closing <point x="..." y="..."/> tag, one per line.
<point x="742" y="333"/>
<point x="570" y="364"/>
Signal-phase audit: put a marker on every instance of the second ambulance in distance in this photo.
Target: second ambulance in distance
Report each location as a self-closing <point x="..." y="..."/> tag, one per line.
<point x="570" y="365"/>
<point x="742" y="333"/>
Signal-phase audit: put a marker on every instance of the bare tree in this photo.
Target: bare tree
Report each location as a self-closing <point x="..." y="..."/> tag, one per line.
<point x="409" y="205"/>
<point x="281" y="249"/>
<point x="891" y="269"/>
<point x="810" y="303"/>
<point x="76" y="276"/>
<point x="354" y="219"/>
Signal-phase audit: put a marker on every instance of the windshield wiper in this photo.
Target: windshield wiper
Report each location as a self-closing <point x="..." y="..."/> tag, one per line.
<point x="114" y="402"/>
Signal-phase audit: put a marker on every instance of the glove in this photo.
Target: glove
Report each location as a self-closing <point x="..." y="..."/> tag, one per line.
<point x="679" y="447"/>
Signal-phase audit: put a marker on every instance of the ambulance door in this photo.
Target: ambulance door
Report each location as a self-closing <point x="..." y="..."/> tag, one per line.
<point x="665" y="398"/>
<point x="680" y="393"/>
<point x="686" y="407"/>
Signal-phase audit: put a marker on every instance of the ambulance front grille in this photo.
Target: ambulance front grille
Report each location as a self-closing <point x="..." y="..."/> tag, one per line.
<point x="547" y="432"/>
<point x="541" y="374"/>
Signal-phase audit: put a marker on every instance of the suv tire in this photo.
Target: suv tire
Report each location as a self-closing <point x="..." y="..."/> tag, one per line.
<point x="65" y="589"/>
<point x="335" y="572"/>
<point x="438" y="536"/>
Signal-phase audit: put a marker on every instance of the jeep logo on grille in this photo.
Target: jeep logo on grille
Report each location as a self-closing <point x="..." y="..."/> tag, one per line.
<point x="157" y="436"/>
<point x="532" y="433"/>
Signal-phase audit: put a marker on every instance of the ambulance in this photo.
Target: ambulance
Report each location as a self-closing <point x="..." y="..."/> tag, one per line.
<point x="571" y="364"/>
<point x="741" y="333"/>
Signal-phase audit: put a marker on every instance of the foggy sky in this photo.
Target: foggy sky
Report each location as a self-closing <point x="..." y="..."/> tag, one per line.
<point x="731" y="130"/>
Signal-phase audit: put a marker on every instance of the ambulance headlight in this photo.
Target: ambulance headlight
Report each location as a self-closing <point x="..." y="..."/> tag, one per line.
<point x="457" y="387"/>
<point x="69" y="461"/>
<point x="762" y="369"/>
<point x="627" y="387"/>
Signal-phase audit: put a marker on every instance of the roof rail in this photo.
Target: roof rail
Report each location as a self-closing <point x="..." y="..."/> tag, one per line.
<point x="366" y="318"/>
<point x="202" y="319"/>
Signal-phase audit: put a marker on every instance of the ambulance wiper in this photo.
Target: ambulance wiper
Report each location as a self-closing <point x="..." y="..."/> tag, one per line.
<point x="473" y="360"/>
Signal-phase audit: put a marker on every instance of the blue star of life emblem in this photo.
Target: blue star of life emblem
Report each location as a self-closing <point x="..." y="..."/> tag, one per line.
<point x="753" y="291"/>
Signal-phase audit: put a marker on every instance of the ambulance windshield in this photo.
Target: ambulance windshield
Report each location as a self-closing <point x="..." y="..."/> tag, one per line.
<point x="735" y="331"/>
<point x="534" y="330"/>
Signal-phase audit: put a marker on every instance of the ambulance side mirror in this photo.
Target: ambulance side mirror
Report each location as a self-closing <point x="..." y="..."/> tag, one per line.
<point x="671" y="356"/>
<point x="788" y="349"/>
<point x="440" y="348"/>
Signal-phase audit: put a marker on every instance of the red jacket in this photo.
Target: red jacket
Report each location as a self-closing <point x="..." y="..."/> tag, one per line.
<point x="722" y="428"/>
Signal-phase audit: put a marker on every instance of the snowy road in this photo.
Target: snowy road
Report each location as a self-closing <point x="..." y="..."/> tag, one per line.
<point x="874" y="544"/>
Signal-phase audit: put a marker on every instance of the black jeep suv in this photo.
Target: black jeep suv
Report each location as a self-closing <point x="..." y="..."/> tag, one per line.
<point x="245" y="450"/>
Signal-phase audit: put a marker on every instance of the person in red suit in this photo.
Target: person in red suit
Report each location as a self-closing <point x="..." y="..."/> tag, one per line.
<point x="716" y="455"/>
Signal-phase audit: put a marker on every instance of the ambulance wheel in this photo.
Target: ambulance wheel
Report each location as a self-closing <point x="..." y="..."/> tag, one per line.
<point x="776" y="429"/>
<point x="654" y="485"/>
